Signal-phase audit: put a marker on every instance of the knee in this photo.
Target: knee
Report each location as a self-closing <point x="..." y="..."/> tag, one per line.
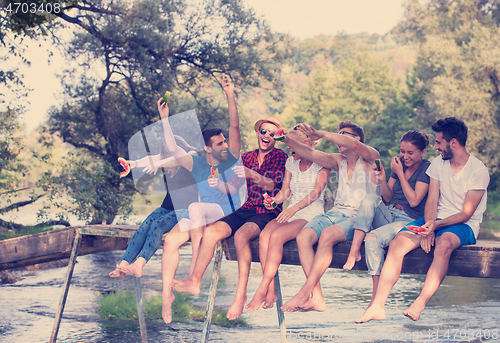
<point x="306" y="239"/>
<point x="216" y="232"/>
<point x="443" y="248"/>
<point x="276" y="239"/>
<point x="331" y="236"/>
<point x="370" y="237"/>
<point x="194" y="208"/>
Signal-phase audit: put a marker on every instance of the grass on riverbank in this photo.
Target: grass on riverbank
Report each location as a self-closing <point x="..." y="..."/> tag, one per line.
<point x="122" y="306"/>
<point x="27" y="230"/>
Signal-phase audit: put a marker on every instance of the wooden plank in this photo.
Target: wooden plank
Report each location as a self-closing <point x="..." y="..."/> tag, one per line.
<point x="481" y="260"/>
<point x="56" y="244"/>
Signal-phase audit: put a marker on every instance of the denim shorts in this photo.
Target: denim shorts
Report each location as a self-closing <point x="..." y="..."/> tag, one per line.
<point x="462" y="231"/>
<point x="330" y="218"/>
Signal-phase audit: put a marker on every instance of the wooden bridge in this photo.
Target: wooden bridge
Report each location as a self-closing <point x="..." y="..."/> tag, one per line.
<point x="481" y="261"/>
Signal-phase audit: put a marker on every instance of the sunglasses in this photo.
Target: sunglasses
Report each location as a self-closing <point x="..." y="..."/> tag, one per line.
<point x="348" y="133"/>
<point x="264" y="131"/>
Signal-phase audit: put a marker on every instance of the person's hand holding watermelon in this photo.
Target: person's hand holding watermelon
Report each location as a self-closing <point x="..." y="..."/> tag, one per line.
<point x="163" y="108"/>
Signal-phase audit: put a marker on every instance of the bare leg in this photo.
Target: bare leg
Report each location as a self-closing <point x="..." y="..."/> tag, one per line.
<point x="354" y="253"/>
<point x="399" y="247"/>
<point x="169" y="264"/>
<point x="329" y="237"/>
<point x="201" y="215"/>
<point x="445" y="245"/>
<point x="375" y="280"/>
<point x="264" y="237"/>
<point x="242" y="238"/>
<point x="284" y="233"/>
<point x="302" y="301"/>
<point x="213" y="233"/>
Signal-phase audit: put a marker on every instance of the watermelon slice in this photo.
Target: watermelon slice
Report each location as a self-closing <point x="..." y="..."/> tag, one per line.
<point x="214" y="172"/>
<point x="377" y="162"/>
<point x="165" y="97"/>
<point x="415" y="228"/>
<point x="125" y="166"/>
<point x="270" y="200"/>
<point x="279" y="135"/>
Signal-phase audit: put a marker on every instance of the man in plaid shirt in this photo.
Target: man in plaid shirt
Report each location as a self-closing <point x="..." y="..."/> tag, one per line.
<point x="264" y="169"/>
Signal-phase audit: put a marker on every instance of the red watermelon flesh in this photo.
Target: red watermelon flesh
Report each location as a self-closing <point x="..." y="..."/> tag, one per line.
<point x="279" y="135"/>
<point x="125" y="166"/>
<point x="415" y="228"/>
<point x="270" y="200"/>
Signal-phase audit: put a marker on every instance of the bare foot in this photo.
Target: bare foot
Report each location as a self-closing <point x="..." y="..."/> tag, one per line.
<point x="236" y="308"/>
<point x="271" y="298"/>
<point x="372" y="313"/>
<point x="117" y="273"/>
<point x="256" y="301"/>
<point x="313" y="304"/>
<point x="166" y="308"/>
<point x="134" y="269"/>
<point x="293" y="304"/>
<point x="187" y="286"/>
<point x="351" y="260"/>
<point x="414" y="311"/>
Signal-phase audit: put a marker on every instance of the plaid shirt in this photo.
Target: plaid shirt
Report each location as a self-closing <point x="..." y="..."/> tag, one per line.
<point x="273" y="167"/>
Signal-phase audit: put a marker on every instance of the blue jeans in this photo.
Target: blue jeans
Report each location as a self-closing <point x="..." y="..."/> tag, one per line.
<point x="147" y="238"/>
<point x="373" y="213"/>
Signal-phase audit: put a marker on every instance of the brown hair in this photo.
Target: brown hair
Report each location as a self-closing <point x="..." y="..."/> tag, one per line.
<point x="358" y="130"/>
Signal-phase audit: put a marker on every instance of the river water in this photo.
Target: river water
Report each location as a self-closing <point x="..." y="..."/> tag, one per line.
<point x="461" y="309"/>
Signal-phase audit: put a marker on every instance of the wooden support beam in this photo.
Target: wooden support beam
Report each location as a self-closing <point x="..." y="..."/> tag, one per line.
<point x="481" y="260"/>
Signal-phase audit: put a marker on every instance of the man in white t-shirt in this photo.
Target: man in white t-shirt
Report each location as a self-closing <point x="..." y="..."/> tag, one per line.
<point x="453" y="211"/>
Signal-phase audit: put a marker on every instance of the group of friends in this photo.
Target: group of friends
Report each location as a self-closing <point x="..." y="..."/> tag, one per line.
<point x="446" y="198"/>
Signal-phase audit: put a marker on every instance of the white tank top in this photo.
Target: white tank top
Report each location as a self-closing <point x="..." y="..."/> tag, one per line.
<point x="350" y="192"/>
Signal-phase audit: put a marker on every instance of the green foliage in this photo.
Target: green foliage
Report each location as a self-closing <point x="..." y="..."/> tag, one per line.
<point x="457" y="69"/>
<point x="144" y="48"/>
<point x="118" y="306"/>
<point x="363" y="90"/>
<point x="92" y="188"/>
<point x="122" y="306"/>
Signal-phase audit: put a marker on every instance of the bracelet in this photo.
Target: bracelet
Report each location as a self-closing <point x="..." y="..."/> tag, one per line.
<point x="298" y="206"/>
<point x="135" y="164"/>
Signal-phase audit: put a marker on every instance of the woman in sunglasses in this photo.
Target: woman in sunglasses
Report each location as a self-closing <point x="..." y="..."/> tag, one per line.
<point x="303" y="185"/>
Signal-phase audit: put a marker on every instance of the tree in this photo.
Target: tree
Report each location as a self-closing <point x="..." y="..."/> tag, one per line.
<point x="146" y="47"/>
<point x="458" y="66"/>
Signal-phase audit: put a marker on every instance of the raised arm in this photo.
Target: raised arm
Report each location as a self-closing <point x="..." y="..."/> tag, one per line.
<point x="366" y="152"/>
<point x="325" y="160"/>
<point x="234" y="139"/>
<point x="185" y="159"/>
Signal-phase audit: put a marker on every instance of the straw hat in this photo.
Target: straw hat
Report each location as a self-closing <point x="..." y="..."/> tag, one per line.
<point x="271" y="119"/>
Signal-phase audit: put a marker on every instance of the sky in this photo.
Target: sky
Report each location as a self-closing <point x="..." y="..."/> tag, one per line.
<point x="301" y="19"/>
